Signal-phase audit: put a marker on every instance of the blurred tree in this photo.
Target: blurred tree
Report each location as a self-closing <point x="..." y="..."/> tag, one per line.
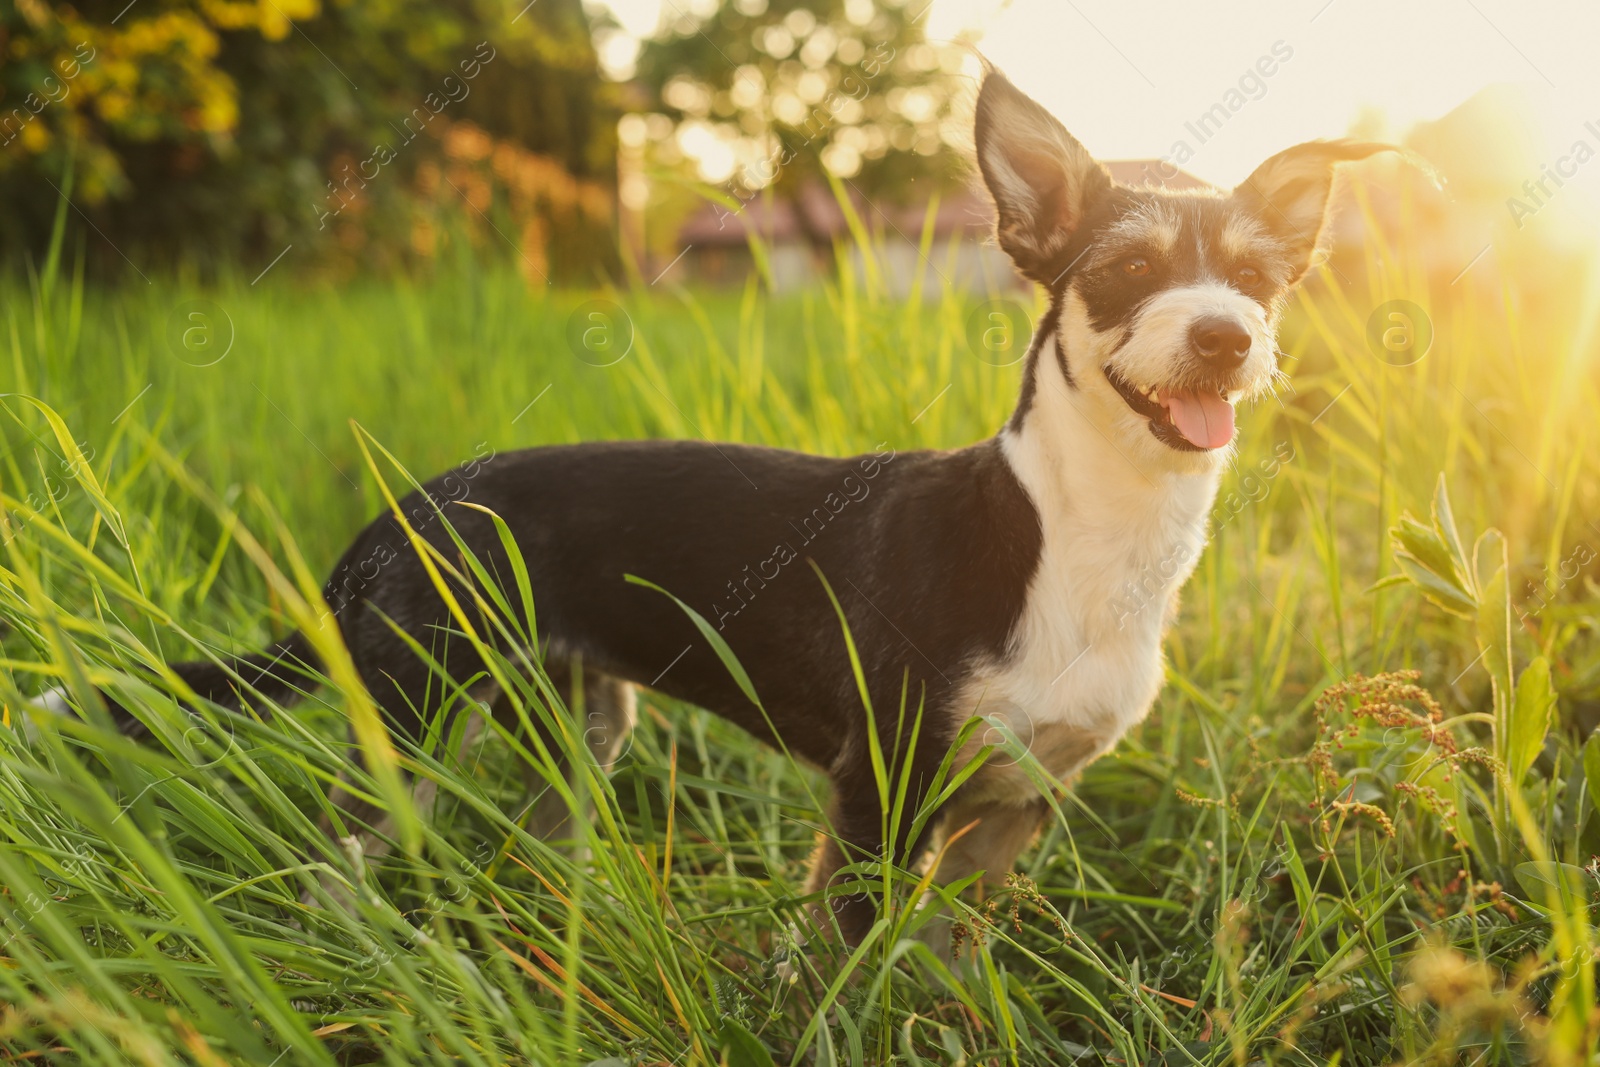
<point x="769" y="93"/>
<point x="231" y="128"/>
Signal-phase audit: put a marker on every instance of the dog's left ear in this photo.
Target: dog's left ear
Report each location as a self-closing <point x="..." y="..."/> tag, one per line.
<point x="1290" y="192"/>
<point x="1042" y="180"/>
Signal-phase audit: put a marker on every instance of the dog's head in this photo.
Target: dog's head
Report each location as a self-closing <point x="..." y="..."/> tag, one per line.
<point x="1168" y="302"/>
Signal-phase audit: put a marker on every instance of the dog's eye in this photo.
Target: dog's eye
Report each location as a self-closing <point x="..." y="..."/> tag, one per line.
<point x="1247" y="277"/>
<point x="1136" y="266"/>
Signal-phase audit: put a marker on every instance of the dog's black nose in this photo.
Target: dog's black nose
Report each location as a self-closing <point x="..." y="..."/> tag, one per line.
<point x="1222" y="341"/>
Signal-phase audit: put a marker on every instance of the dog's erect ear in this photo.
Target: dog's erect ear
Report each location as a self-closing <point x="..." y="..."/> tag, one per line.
<point x="1290" y="192"/>
<point x="1041" y="178"/>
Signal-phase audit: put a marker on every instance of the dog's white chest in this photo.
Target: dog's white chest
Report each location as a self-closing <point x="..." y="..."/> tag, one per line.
<point x="1085" y="663"/>
<point x="1087" y="653"/>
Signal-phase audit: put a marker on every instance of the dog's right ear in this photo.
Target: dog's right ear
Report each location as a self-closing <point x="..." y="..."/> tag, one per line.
<point x="1041" y="178"/>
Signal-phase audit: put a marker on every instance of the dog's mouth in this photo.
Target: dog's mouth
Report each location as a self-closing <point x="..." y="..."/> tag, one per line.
<point x="1189" y="420"/>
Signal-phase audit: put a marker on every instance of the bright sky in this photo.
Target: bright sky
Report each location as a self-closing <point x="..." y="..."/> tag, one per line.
<point x="1126" y="77"/>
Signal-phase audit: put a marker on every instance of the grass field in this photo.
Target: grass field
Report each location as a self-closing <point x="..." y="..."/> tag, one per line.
<point x="1387" y="875"/>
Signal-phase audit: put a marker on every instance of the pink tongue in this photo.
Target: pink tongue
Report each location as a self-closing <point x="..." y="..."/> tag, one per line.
<point x="1204" y="418"/>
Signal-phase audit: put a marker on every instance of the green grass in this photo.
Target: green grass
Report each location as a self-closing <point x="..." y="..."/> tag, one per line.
<point x="1222" y="888"/>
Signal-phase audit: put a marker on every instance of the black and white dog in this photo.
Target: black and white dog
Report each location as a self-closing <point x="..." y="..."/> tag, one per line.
<point x="979" y="581"/>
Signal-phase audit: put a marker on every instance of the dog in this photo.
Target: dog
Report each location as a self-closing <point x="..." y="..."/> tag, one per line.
<point x="981" y="581"/>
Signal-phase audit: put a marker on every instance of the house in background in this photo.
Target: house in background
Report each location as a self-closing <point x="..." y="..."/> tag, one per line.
<point x="804" y="236"/>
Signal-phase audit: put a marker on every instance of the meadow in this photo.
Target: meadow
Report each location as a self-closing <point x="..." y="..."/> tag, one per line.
<point x="1301" y="857"/>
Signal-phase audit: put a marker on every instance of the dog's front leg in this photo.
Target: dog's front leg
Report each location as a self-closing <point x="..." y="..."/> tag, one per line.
<point x="856" y="836"/>
<point x="857" y="822"/>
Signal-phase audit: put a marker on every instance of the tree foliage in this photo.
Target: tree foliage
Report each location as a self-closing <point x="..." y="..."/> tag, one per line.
<point x="770" y="93"/>
<point x="355" y="129"/>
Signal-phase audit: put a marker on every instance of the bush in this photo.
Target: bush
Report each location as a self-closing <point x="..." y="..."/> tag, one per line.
<point x="228" y="129"/>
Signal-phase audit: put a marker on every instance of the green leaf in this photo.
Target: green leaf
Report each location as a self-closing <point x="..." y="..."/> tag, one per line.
<point x="1446" y="594"/>
<point x="880" y="769"/>
<point x="1553" y="886"/>
<point x="1444" y="522"/>
<point x="1530" y="718"/>
<point x="1429" y="549"/>
<point x="1488" y="555"/>
<point x="741" y="1048"/>
<point x="1386" y="582"/>
<point x="1591" y="768"/>
<point x="1494" y="637"/>
<point x="1305" y="894"/>
<point x="81" y="470"/>
<point x="519" y="569"/>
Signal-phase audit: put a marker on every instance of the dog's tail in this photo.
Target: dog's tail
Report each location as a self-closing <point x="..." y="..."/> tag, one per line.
<point x="281" y="674"/>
